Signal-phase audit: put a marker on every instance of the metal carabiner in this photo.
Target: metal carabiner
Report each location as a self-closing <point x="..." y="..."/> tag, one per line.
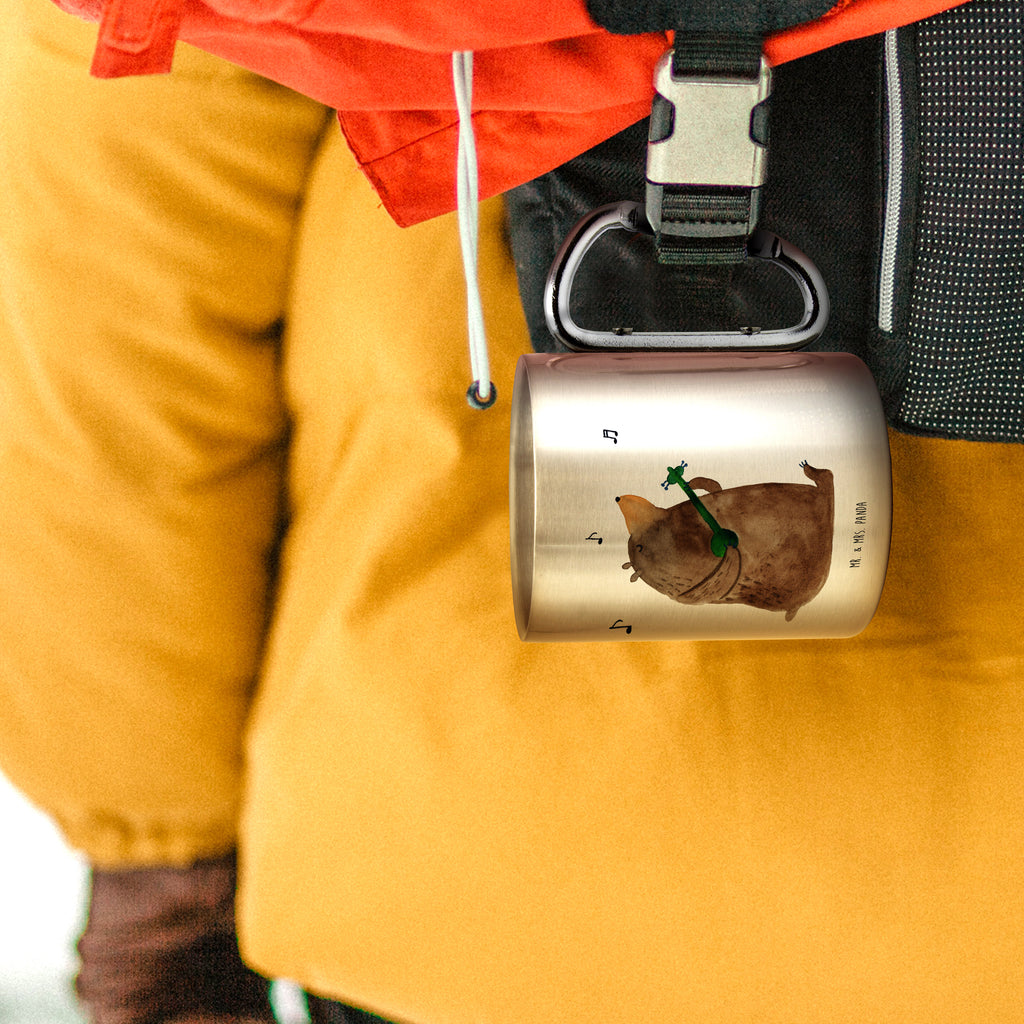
<point x="629" y="216"/>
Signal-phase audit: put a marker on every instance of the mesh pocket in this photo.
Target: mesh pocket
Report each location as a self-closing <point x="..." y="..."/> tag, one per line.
<point x="964" y="331"/>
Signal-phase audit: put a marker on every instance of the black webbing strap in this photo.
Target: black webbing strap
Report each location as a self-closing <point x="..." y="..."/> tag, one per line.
<point x="714" y="54"/>
<point x="685" y="208"/>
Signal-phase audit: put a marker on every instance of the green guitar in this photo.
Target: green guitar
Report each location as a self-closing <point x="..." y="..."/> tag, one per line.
<point x="721" y="539"/>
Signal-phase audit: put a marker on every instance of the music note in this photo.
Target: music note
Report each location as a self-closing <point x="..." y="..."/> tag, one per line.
<point x="612" y="435"/>
<point x="616" y="625"/>
<point x="594" y="536"/>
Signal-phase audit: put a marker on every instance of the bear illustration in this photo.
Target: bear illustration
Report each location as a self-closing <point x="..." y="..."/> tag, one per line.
<point x="764" y="545"/>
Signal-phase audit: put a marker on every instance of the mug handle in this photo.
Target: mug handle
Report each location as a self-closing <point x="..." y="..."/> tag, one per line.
<point x="629" y="216"/>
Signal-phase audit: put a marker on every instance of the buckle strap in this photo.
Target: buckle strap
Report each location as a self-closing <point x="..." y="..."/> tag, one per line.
<point x="706" y="227"/>
<point x="716" y="54"/>
<point x="706" y="149"/>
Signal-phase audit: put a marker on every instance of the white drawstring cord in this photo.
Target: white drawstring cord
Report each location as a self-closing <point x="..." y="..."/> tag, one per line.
<point x="481" y="393"/>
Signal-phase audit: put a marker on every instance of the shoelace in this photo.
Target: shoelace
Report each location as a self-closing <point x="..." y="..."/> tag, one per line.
<point x="481" y="393"/>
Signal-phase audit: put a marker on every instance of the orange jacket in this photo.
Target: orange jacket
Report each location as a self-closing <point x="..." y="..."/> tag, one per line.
<point x="549" y="83"/>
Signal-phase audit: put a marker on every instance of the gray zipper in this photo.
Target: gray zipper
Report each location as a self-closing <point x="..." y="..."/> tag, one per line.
<point x="893" y="186"/>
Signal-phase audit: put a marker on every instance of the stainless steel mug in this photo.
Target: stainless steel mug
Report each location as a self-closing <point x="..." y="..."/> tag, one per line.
<point x="697" y="495"/>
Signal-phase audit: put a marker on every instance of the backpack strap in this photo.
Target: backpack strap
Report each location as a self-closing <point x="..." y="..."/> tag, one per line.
<point x="709" y="124"/>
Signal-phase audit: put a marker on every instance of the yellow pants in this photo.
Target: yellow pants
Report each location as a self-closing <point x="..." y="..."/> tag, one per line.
<point x="212" y="339"/>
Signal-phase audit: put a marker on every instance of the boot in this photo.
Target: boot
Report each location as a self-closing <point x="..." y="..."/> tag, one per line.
<point x="159" y="947"/>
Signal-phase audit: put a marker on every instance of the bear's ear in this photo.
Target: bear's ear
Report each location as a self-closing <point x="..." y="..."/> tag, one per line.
<point x="718" y="584"/>
<point x="705" y="483"/>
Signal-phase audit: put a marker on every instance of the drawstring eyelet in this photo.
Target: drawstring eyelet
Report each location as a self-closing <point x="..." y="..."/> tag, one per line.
<point x="474" y="399"/>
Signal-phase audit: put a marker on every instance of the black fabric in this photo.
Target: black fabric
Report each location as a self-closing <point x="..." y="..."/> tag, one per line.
<point x="630" y="17"/>
<point x="960" y="332"/>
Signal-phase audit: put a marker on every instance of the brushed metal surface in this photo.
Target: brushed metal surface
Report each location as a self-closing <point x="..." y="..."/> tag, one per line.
<point x="712" y="141"/>
<point x="590" y="428"/>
